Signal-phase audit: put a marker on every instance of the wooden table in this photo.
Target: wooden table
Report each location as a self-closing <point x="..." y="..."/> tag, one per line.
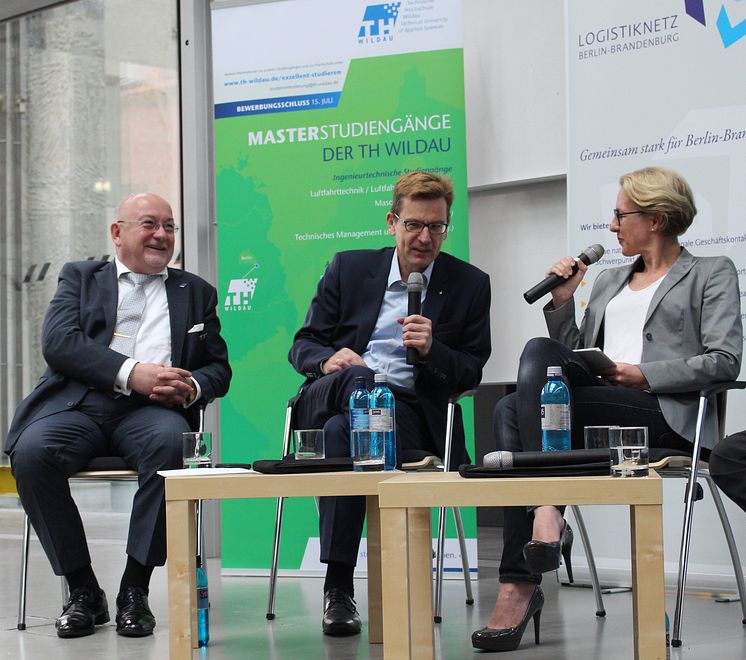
<point x="182" y="491"/>
<point x="406" y="542"/>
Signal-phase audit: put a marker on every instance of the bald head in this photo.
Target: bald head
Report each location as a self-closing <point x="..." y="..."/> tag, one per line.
<point x="139" y="233"/>
<point x="135" y="200"/>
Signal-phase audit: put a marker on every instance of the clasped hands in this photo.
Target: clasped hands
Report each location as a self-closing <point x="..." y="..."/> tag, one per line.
<point x="417" y="332"/>
<point x="169" y="386"/>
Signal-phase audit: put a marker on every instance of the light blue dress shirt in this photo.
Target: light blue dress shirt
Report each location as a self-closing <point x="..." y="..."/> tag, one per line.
<point x="386" y="353"/>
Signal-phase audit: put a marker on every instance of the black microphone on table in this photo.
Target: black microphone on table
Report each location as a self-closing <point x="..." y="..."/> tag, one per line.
<point x="414" y="306"/>
<point x="588" y="256"/>
<point x="503" y="459"/>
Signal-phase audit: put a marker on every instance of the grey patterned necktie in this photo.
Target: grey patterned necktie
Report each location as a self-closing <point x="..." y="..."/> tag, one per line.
<point x="129" y="314"/>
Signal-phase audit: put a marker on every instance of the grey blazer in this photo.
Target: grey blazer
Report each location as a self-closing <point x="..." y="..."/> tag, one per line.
<point x="692" y="335"/>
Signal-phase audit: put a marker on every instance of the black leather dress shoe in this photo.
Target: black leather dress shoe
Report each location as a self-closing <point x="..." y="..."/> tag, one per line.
<point x="85" y="609"/>
<point x="134" y="618"/>
<point x="340" y="614"/>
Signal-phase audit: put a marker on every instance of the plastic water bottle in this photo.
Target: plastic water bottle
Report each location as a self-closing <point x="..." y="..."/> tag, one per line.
<point x="555" y="412"/>
<point x="359" y="405"/>
<point x="366" y="455"/>
<point x="382" y="418"/>
<point x="203" y="604"/>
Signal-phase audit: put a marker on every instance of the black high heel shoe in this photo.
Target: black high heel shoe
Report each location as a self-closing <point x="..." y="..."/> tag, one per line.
<point x="543" y="557"/>
<point x="508" y="639"/>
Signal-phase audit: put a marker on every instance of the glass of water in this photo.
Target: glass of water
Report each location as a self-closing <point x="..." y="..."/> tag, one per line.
<point x="628" y="446"/>
<point x="309" y="444"/>
<point x="197" y="449"/>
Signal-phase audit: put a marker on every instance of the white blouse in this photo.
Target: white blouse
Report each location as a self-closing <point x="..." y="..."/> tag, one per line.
<point x="623" y="323"/>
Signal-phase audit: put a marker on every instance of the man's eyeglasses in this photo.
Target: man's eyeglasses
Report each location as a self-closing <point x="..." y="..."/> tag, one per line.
<point x="416" y="226"/>
<point x="152" y="225"/>
<point x="619" y="214"/>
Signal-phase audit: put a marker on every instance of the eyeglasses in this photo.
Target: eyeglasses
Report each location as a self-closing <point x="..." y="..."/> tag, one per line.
<point x="416" y="226"/>
<point x="152" y="225"/>
<point x="619" y="214"/>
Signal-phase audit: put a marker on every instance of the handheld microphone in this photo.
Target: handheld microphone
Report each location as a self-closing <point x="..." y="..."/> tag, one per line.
<point x="541" y="459"/>
<point x="588" y="256"/>
<point x="498" y="459"/>
<point x="414" y="306"/>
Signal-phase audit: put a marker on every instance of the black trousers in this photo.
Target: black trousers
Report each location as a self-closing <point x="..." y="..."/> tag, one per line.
<point x="728" y="467"/>
<point x="51" y="449"/>
<point x="324" y="404"/>
<point x="517" y="427"/>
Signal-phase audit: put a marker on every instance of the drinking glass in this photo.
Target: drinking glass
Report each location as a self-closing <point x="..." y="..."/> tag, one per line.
<point x="597" y="437"/>
<point x="309" y="444"/>
<point x="197" y="449"/>
<point x="628" y="447"/>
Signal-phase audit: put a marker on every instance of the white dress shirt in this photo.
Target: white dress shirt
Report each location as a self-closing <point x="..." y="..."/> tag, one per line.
<point x="153" y="339"/>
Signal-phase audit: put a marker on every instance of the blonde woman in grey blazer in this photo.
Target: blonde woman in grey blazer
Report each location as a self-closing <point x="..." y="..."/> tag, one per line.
<point x="671" y="323"/>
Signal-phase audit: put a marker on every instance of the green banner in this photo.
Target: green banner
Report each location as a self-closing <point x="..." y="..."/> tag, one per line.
<point x="293" y="188"/>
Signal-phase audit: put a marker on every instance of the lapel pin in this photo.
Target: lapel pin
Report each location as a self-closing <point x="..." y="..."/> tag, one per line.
<point x="182" y="285"/>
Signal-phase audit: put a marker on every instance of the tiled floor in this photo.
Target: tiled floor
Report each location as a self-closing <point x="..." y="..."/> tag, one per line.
<point x="239" y="629"/>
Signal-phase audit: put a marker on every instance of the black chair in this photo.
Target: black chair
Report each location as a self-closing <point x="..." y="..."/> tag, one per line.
<point x="421" y="461"/>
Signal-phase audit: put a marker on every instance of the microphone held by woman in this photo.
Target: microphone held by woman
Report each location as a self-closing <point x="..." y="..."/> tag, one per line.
<point x="588" y="256"/>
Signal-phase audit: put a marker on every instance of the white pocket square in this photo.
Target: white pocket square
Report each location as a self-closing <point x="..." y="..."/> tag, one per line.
<point x="199" y="327"/>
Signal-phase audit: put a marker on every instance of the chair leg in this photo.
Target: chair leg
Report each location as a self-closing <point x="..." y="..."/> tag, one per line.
<point x="64" y="590"/>
<point x="464" y="555"/>
<point x="737" y="570"/>
<point x="600" y="609"/>
<point x="439" y="566"/>
<point x="686" y="532"/>
<point x="275" y="559"/>
<point x="286" y="436"/>
<point x="24" y="574"/>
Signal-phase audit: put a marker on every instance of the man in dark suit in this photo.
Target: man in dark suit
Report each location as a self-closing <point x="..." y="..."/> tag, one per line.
<point x="357" y="325"/>
<point x="133" y="351"/>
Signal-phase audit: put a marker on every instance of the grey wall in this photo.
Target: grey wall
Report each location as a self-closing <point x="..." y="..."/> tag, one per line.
<point x="515" y="109"/>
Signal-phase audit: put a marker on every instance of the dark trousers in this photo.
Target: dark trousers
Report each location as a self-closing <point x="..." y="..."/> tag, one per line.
<point x="728" y="467"/>
<point x="517" y="427"/>
<point x="51" y="449"/>
<point x="324" y="404"/>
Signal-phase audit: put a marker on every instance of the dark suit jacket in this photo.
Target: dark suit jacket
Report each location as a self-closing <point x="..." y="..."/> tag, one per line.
<point x="78" y="328"/>
<point x="344" y="311"/>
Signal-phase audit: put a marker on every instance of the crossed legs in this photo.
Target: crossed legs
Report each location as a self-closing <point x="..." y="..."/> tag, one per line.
<point x="517" y="426"/>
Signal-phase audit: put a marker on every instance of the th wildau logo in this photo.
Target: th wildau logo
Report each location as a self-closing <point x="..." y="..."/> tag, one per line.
<point x="378" y="23"/>
<point x="241" y="292"/>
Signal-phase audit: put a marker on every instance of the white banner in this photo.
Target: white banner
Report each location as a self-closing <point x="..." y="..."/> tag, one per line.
<point x="657" y="83"/>
<point x="252" y="62"/>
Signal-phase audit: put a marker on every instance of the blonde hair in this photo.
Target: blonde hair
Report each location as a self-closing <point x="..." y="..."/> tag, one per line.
<point x="663" y="191"/>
